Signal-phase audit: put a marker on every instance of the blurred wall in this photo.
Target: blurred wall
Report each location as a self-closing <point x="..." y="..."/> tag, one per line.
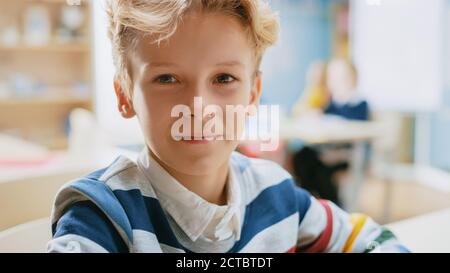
<point x="119" y="130"/>
<point x="305" y="37"/>
<point x="439" y="121"/>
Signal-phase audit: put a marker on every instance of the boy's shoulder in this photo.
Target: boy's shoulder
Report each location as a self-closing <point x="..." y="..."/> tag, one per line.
<point x="257" y="175"/>
<point x="121" y="175"/>
<point x="258" y="166"/>
<point x="100" y="188"/>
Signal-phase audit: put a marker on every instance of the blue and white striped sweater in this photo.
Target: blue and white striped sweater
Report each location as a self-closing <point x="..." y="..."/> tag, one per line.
<point x="116" y="210"/>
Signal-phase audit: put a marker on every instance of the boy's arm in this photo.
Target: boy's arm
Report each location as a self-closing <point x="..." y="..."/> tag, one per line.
<point x="324" y="227"/>
<point x="88" y="217"/>
<point x="85" y="228"/>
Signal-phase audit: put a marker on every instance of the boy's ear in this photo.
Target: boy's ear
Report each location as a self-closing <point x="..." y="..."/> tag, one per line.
<point x="123" y="103"/>
<point x="256" y="90"/>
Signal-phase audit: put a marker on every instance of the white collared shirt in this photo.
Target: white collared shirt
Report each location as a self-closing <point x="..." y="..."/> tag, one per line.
<point x="194" y="215"/>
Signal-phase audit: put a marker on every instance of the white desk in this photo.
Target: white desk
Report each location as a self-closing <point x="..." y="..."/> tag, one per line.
<point x="30" y="176"/>
<point x="52" y="162"/>
<point x="330" y="130"/>
<point x="30" y="237"/>
<point x="426" y="233"/>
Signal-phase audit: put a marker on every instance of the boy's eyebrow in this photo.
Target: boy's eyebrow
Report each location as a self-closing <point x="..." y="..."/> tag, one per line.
<point x="159" y="64"/>
<point x="169" y="64"/>
<point x="230" y="63"/>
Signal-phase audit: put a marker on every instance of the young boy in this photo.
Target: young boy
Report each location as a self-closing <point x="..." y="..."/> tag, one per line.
<point x="196" y="194"/>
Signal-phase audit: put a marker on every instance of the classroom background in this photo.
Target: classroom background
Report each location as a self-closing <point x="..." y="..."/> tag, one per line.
<point x="363" y="88"/>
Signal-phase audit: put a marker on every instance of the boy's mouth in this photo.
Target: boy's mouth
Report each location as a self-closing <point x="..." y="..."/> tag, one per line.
<point x="200" y="140"/>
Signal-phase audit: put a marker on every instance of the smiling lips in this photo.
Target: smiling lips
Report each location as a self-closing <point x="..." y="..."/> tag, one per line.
<point x="202" y="140"/>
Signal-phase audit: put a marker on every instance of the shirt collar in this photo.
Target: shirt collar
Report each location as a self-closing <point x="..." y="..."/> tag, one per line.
<point x="191" y="212"/>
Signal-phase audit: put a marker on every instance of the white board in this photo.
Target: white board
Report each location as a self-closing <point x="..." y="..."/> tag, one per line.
<point x="397" y="46"/>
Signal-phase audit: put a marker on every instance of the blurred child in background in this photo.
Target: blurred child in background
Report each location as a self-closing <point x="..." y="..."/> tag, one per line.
<point x="316" y="94"/>
<point x="345" y="101"/>
<point x="331" y="90"/>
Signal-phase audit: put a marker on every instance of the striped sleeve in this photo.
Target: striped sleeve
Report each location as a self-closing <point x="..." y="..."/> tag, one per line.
<point x="87" y="217"/>
<point x="84" y="228"/>
<point x="324" y="227"/>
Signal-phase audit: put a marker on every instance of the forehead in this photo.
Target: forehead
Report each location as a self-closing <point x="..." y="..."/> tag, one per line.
<point x="200" y="39"/>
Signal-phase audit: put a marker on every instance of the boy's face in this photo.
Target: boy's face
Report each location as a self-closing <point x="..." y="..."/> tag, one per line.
<point x="209" y="56"/>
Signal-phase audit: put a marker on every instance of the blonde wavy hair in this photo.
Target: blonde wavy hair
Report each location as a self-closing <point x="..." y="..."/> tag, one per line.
<point x="130" y="19"/>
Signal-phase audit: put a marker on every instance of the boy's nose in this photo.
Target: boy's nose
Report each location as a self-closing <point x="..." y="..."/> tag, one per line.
<point x="198" y="95"/>
<point x="197" y="89"/>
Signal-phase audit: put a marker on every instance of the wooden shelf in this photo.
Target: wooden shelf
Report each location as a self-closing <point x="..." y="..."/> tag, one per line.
<point x="69" y="48"/>
<point x="58" y="65"/>
<point x="44" y="101"/>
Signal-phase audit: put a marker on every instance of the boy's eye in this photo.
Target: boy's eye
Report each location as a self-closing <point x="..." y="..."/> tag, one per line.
<point x="166" y="79"/>
<point x="224" y="79"/>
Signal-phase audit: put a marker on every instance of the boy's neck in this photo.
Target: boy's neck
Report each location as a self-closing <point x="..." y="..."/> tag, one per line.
<point x="211" y="187"/>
